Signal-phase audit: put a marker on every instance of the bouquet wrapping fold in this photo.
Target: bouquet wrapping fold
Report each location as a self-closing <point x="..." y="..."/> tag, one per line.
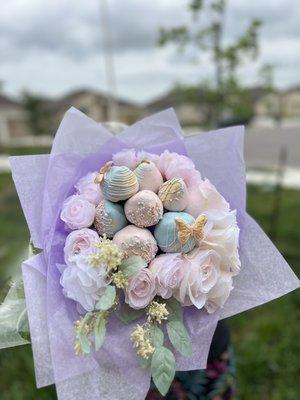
<point x="43" y="183"/>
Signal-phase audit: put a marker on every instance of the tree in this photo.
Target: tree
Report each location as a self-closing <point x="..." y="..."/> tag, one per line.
<point x="273" y="99"/>
<point x="38" y="117"/>
<point x="224" y="93"/>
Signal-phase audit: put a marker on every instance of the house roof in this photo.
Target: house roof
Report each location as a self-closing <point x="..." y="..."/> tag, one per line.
<point x="169" y="99"/>
<point x="68" y="99"/>
<point x="176" y="96"/>
<point x="293" y="89"/>
<point x="6" y="101"/>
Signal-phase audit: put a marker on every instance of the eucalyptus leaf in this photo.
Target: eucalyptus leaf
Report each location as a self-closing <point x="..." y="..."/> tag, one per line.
<point x="84" y="342"/>
<point x="107" y="300"/>
<point x="131" y="265"/>
<point x="145" y="362"/>
<point x="179" y="337"/>
<point x="82" y="336"/>
<point x="127" y="314"/>
<point x="156" y="336"/>
<point x="99" y="331"/>
<point x="175" y="309"/>
<point x="163" y="368"/>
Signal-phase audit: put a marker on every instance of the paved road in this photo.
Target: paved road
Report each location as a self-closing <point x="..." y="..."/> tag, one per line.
<point x="262" y="146"/>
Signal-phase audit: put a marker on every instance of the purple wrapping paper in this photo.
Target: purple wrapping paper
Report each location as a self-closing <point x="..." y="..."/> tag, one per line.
<point x="43" y="182"/>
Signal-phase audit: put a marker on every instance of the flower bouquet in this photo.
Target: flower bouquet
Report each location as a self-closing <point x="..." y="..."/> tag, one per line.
<point x="145" y="244"/>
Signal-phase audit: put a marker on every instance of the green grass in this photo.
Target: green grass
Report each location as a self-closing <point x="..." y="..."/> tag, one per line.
<point x="25" y="150"/>
<point x="266" y="339"/>
<point x="13" y="230"/>
<point x="17" y="381"/>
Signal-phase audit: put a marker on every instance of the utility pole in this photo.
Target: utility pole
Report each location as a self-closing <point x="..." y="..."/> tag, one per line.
<point x="107" y="48"/>
<point x="278" y="191"/>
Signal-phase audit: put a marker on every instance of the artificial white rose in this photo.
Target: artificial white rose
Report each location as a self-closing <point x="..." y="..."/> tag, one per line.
<point x="200" y="273"/>
<point x="84" y="283"/>
<point x="207" y="262"/>
<point x="218" y="295"/>
<point x="223" y="237"/>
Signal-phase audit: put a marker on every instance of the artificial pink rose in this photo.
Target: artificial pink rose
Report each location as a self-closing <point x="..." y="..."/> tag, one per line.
<point x="126" y="158"/>
<point x="203" y="197"/>
<point x="218" y="295"/>
<point x="77" y="212"/>
<point x="223" y="237"/>
<point x="87" y="187"/>
<point x="168" y="273"/>
<point x="200" y="274"/>
<point x="172" y="165"/>
<point x="79" y="241"/>
<point x="140" y="290"/>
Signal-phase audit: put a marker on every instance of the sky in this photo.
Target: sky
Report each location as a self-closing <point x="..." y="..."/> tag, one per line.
<point x="51" y="47"/>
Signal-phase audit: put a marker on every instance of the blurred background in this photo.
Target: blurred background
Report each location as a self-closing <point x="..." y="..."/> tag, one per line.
<point x="218" y="63"/>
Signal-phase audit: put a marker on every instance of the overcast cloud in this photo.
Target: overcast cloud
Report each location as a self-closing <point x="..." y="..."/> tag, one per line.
<point x="52" y="46"/>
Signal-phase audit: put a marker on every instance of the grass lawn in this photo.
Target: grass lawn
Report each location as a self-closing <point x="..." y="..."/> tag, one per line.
<point x="22" y="151"/>
<point x="266" y="339"/>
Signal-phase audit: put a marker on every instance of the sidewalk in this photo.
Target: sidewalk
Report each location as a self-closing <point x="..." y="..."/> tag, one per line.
<point x="4" y="164"/>
<point x="291" y="178"/>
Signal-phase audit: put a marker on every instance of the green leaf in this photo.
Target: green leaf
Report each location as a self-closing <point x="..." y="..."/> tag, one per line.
<point x="131" y="265"/>
<point x="99" y="331"/>
<point x="175" y="310"/>
<point x="145" y="362"/>
<point x="163" y="369"/>
<point x="107" y="300"/>
<point x="84" y="342"/>
<point x="179" y="337"/>
<point x="156" y="336"/>
<point x="127" y="314"/>
<point x="82" y="336"/>
<point x="157" y="340"/>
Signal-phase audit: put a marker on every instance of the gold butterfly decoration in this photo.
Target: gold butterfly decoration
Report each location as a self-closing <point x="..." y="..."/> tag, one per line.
<point x="185" y="231"/>
<point x="103" y="170"/>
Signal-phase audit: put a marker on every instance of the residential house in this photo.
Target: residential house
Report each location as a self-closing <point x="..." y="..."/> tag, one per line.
<point x="189" y="112"/>
<point x="13" y="121"/>
<point x="14" y="128"/>
<point x="94" y="104"/>
<point x="281" y="108"/>
<point x="191" y="107"/>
